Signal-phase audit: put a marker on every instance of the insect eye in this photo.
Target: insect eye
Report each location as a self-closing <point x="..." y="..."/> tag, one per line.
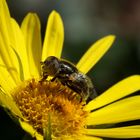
<point x="50" y="65"/>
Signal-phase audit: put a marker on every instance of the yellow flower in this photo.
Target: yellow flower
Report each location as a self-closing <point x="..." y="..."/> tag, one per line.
<point x="50" y="109"/>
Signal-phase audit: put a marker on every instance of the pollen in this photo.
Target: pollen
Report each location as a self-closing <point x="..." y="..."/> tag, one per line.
<point x="38" y="100"/>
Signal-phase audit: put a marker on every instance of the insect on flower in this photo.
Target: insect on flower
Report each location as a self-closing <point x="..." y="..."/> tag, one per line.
<point x="68" y="75"/>
<point x="42" y="109"/>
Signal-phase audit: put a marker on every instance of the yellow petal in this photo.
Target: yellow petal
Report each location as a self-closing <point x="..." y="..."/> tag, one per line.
<point x="89" y="138"/>
<point x="132" y="127"/>
<point x="31" y="30"/>
<point x="54" y="37"/>
<point x="6" y="37"/>
<point x="124" y="110"/>
<point x="6" y="81"/>
<point x="20" y="48"/>
<point x="121" y="132"/>
<point x="29" y="129"/>
<point x="7" y="102"/>
<point x="118" y="91"/>
<point x="94" y="53"/>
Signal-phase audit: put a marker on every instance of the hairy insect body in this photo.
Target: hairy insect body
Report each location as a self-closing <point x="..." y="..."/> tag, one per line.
<point x="68" y="75"/>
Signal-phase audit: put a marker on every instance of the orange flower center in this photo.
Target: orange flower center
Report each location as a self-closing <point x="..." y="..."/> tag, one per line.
<point x="39" y="101"/>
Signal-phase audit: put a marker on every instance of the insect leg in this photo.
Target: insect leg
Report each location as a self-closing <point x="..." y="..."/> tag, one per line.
<point x="44" y="77"/>
<point x="53" y="79"/>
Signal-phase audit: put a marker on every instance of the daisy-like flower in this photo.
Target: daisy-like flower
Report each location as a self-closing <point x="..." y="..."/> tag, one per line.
<point x="50" y="110"/>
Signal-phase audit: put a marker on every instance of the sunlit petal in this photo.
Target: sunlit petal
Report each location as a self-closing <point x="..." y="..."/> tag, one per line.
<point x="20" y="49"/>
<point x="6" y="81"/>
<point x="122" y="132"/>
<point x="28" y="128"/>
<point x="6" y="37"/>
<point x="54" y="37"/>
<point x="94" y="53"/>
<point x="118" y="91"/>
<point x="31" y="30"/>
<point x="132" y="127"/>
<point x="124" y="110"/>
<point x="7" y="102"/>
<point x="89" y="138"/>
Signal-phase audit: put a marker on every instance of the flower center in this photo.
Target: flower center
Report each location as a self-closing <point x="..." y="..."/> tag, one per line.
<point x="38" y="100"/>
